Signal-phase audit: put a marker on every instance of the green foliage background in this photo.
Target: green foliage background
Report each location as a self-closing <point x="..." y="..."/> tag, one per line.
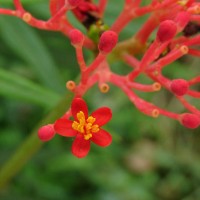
<point x="149" y="159"/>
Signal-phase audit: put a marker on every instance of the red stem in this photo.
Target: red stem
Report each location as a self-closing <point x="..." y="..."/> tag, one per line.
<point x="18" y="5"/>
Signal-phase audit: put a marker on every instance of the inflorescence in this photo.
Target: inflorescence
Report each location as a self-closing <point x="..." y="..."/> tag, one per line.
<point x="176" y="23"/>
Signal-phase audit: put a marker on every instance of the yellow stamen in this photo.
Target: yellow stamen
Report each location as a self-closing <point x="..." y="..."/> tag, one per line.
<point x="91" y="119"/>
<point x="78" y="127"/>
<point x="85" y="126"/>
<point x="88" y="136"/>
<point x="95" y="128"/>
<point x="81" y="118"/>
<point x="88" y="126"/>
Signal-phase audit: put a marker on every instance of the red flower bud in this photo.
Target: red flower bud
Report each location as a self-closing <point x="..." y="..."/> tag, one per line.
<point x="107" y="41"/>
<point x="46" y="132"/>
<point x="190" y="120"/>
<point x="166" y="31"/>
<point x="179" y="87"/>
<point x="74" y="3"/>
<point x="76" y="37"/>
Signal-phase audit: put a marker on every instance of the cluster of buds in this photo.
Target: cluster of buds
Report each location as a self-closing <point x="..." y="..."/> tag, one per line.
<point x="176" y="23"/>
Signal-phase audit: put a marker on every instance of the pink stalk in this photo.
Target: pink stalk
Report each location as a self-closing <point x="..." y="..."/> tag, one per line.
<point x="131" y="60"/>
<point x="127" y="2"/>
<point x="80" y="58"/>
<point x="102" y="6"/>
<point x="147" y="28"/>
<point x="188" y="106"/>
<point x="169" y="114"/>
<point x="165" y="82"/>
<point x="83" y="87"/>
<point x="164" y="47"/>
<point x="194" y="52"/>
<point x="124" y="18"/>
<point x="136" y="3"/>
<point x="145" y="88"/>
<point x="55" y="5"/>
<point x="92" y="67"/>
<point x="7" y="12"/>
<point x="143" y="106"/>
<point x="147" y="58"/>
<point x="99" y="59"/>
<point x="144" y="10"/>
<point x="18" y="5"/>
<point x="40" y="24"/>
<point x="169" y="58"/>
<point x="192" y="41"/>
<point x="194" y="80"/>
<point x="59" y="14"/>
<point x="194" y="94"/>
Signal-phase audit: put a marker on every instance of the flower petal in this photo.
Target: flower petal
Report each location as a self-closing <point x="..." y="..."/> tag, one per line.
<point x="80" y="146"/>
<point x="102" y="115"/>
<point x="78" y="105"/>
<point x="64" y="127"/>
<point x="102" y="138"/>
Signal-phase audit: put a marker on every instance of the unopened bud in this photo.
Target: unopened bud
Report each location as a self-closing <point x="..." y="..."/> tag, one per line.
<point x="46" y="132"/>
<point x="179" y="87"/>
<point x="190" y="120"/>
<point x="76" y="37"/>
<point x="107" y="41"/>
<point x="166" y="31"/>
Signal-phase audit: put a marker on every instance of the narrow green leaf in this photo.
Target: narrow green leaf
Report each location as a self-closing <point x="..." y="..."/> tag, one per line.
<point x="17" y="87"/>
<point x="22" y="1"/>
<point x="24" y="41"/>
<point x="31" y="145"/>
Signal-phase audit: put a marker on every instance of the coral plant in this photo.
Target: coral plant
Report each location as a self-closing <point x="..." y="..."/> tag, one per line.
<point x="175" y="24"/>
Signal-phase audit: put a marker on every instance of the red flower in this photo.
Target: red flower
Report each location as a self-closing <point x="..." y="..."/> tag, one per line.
<point x="85" y="128"/>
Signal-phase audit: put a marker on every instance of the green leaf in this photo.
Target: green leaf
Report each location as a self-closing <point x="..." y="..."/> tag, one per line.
<point x="22" y="1"/>
<point x="31" y="145"/>
<point x="25" y="42"/>
<point x="17" y="87"/>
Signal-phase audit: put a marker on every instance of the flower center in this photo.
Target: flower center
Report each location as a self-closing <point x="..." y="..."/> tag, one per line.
<point x="85" y="126"/>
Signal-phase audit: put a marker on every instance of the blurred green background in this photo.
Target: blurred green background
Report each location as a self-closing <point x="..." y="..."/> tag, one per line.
<point x="149" y="159"/>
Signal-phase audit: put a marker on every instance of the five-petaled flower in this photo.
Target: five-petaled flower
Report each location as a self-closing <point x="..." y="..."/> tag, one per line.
<point x="85" y="128"/>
